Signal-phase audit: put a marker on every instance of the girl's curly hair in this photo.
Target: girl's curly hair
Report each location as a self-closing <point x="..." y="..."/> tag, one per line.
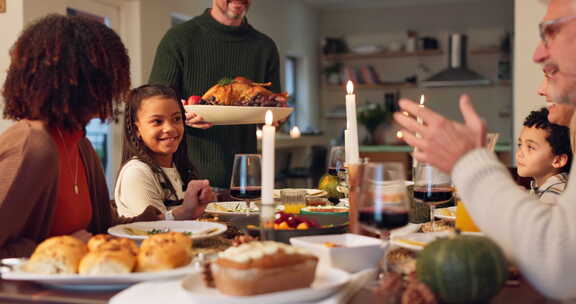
<point x="65" y="71"/>
<point x="134" y="147"/>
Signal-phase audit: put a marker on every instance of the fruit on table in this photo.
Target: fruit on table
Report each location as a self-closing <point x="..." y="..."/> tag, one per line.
<point x="290" y="221"/>
<point x="192" y="100"/>
<point x="462" y="268"/>
<point x="329" y="183"/>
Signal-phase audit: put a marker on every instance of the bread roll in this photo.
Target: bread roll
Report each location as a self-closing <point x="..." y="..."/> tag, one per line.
<point x="263" y="267"/>
<point x="114" y="260"/>
<point x="57" y="255"/>
<point x="164" y="251"/>
<point x="162" y="239"/>
<point x="97" y="240"/>
<point x="106" y="242"/>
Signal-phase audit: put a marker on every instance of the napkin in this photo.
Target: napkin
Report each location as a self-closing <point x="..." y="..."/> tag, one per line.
<point x="357" y="281"/>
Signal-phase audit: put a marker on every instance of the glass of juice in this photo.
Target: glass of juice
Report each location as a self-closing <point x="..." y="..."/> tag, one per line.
<point x="293" y="200"/>
<point x="463" y="220"/>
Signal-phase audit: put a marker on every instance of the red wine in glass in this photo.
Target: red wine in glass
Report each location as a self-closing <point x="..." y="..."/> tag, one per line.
<point x="246" y="193"/>
<point x="433" y="195"/>
<point x="383" y="219"/>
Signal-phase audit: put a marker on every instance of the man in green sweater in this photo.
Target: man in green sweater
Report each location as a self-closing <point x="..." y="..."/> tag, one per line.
<point x="194" y="56"/>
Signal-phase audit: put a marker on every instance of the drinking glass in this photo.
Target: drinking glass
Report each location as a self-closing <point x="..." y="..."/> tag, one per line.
<point x="246" y="182"/>
<point x="336" y="160"/>
<point x="383" y="201"/>
<point x="431" y="187"/>
<point x="337" y="168"/>
<point x="293" y="200"/>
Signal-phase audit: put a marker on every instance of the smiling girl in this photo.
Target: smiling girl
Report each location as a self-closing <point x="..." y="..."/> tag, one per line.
<point x="156" y="170"/>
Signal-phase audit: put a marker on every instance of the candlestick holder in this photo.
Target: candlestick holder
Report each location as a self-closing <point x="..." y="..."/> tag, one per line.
<point x="355" y="173"/>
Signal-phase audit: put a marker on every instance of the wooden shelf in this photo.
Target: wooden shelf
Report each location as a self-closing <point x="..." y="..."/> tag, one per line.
<point x="386" y="85"/>
<point x="423" y="53"/>
<point x="353" y="56"/>
<point x="403" y="85"/>
<point x="486" y="51"/>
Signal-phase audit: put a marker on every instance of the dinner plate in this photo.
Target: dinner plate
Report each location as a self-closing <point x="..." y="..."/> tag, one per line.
<point x="342" y="211"/>
<point x="309" y="192"/>
<point x="141" y="230"/>
<point x="237" y="115"/>
<point x="446" y="213"/>
<point x="326" y="283"/>
<point x="419" y="240"/>
<point x="232" y="208"/>
<point x="84" y="282"/>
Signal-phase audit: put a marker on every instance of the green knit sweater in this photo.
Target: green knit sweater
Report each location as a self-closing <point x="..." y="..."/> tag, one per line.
<point x="194" y="56"/>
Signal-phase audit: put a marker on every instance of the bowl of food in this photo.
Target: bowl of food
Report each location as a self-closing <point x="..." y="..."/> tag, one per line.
<point x="343" y="250"/>
<point x="287" y="225"/>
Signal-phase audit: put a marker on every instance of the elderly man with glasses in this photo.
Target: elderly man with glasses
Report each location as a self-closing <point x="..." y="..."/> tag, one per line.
<point x="540" y="239"/>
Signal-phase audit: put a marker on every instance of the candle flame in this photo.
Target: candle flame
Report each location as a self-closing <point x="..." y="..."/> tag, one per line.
<point x="295" y="132"/>
<point x="399" y="134"/>
<point x="258" y="133"/>
<point x="269" y="118"/>
<point x="350" y="87"/>
<point x="422" y="100"/>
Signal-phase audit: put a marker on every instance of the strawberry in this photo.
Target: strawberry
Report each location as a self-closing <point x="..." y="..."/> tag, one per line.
<point x="194" y="99"/>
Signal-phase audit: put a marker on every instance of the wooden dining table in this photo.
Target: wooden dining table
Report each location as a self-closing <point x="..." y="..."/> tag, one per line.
<point x="25" y="292"/>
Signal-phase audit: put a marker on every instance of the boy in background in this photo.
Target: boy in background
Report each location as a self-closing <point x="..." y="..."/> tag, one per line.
<point x="544" y="154"/>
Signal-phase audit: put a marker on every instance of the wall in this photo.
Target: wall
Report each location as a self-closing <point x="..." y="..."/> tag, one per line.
<point x="527" y="74"/>
<point x="485" y="23"/>
<point x="291" y="24"/>
<point x="11" y="23"/>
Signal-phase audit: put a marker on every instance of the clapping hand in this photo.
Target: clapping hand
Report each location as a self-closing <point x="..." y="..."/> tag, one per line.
<point x="441" y="142"/>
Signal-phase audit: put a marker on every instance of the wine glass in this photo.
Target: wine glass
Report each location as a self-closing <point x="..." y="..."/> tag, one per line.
<point x="383" y="202"/>
<point x="337" y="168"/>
<point x="336" y="160"/>
<point x="246" y="182"/>
<point x="431" y="187"/>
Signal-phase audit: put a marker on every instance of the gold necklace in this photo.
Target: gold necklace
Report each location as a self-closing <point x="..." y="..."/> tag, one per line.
<point x="66" y="155"/>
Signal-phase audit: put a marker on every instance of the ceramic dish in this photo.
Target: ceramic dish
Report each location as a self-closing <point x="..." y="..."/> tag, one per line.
<point x="342" y="250"/>
<point x="327" y="282"/>
<point x="237" y="115"/>
<point x="11" y="270"/>
<point x="141" y="230"/>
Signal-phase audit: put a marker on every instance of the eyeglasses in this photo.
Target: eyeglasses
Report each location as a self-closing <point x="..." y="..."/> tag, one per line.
<point x="548" y="29"/>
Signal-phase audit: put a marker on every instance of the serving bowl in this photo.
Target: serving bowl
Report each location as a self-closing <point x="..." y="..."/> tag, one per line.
<point x="328" y="224"/>
<point x="349" y="252"/>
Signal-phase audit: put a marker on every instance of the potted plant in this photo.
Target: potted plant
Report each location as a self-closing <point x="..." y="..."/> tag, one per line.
<point x="375" y="116"/>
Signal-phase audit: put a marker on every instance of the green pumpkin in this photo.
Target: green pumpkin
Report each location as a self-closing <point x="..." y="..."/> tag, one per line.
<point x="462" y="269"/>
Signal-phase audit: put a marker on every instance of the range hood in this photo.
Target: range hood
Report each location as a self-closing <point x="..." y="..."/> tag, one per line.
<point x="457" y="73"/>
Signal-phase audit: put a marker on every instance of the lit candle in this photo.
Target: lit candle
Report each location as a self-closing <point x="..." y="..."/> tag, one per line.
<point x="268" y="138"/>
<point x="418" y="119"/>
<point x="352" y="125"/>
<point x="258" y="133"/>
<point x="347" y="146"/>
<point x="295" y="132"/>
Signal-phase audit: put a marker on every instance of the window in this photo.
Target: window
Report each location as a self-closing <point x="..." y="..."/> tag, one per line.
<point x="178" y="18"/>
<point x="290" y="77"/>
<point x="96" y="131"/>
